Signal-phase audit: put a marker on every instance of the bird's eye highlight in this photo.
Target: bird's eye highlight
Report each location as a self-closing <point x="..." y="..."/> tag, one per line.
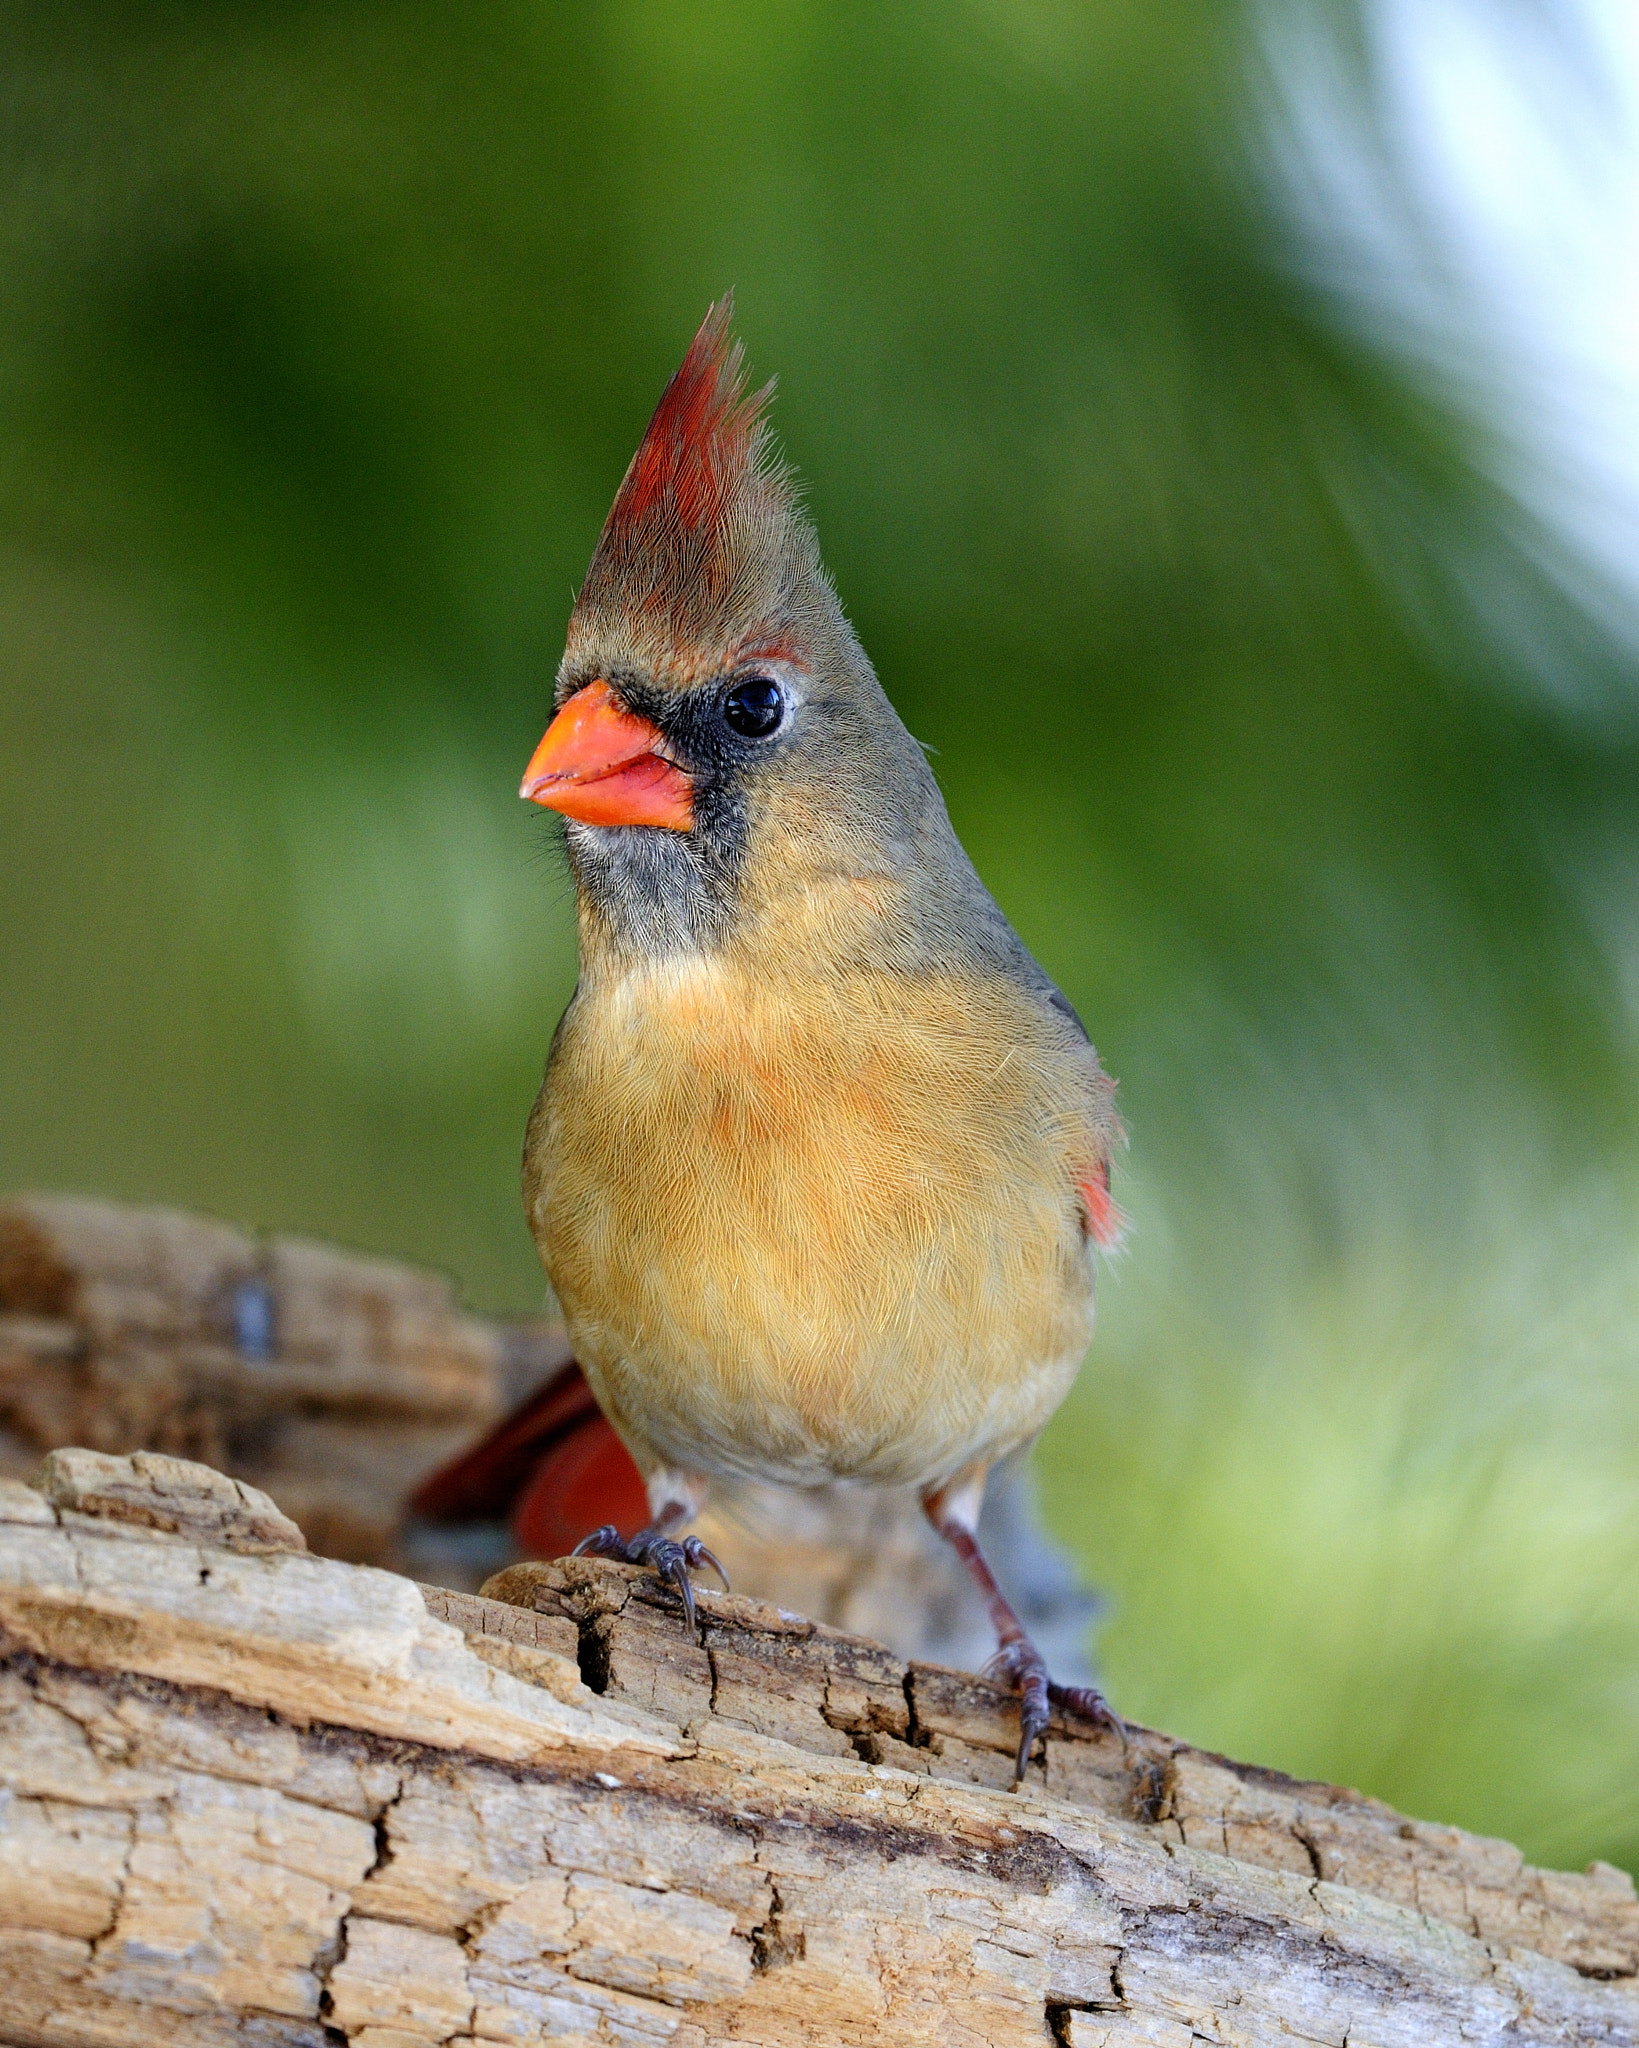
<point x="754" y="709"/>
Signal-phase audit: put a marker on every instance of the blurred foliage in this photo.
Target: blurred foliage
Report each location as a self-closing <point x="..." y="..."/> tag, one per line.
<point x="325" y="335"/>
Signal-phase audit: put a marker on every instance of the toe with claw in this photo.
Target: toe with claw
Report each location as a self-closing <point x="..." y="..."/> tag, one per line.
<point x="604" y="1542"/>
<point x="1087" y="1703"/>
<point x="667" y="1557"/>
<point x="1019" y="1663"/>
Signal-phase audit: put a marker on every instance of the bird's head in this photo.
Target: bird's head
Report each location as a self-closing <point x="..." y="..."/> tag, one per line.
<point x="720" y="739"/>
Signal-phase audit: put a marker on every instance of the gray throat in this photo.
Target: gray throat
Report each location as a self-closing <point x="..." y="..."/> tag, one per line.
<point x="657" y="892"/>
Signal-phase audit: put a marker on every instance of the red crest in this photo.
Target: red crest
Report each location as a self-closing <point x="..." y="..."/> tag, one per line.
<point x="703" y="503"/>
<point x="703" y="443"/>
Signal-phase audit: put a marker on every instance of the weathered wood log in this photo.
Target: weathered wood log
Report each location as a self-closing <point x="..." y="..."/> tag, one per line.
<point x="253" y="1795"/>
<point x="332" y="1380"/>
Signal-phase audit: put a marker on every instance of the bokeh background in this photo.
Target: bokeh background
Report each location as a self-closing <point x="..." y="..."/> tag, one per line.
<point x="1175" y="386"/>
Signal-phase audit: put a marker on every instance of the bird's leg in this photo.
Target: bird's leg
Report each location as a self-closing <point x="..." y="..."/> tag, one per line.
<point x="954" y="1512"/>
<point x="675" y="1498"/>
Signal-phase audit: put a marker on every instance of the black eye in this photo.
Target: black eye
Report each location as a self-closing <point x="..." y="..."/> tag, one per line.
<point x="754" y="709"/>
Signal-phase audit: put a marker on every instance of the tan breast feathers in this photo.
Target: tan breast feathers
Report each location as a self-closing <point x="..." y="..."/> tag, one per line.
<point x="816" y="1202"/>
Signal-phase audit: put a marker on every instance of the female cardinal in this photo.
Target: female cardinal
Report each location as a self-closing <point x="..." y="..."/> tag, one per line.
<point x="821" y="1155"/>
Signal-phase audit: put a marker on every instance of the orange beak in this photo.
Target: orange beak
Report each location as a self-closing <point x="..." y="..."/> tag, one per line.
<point x="603" y="765"/>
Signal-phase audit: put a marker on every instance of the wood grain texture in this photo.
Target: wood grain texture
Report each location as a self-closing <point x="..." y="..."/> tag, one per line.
<point x="332" y="1381"/>
<point x="264" y="1797"/>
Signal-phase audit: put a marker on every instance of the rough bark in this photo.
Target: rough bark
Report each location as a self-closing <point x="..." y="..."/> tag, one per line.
<point x="254" y="1795"/>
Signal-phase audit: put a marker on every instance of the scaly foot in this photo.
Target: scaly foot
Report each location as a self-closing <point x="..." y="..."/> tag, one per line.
<point x="666" y="1558"/>
<point x="1020" y="1663"/>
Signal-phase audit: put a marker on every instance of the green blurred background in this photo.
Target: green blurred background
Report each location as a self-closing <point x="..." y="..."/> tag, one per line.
<point x="1301" y="753"/>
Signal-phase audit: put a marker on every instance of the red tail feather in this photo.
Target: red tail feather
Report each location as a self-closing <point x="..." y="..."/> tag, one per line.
<point x="584" y="1481"/>
<point x="555" y="1466"/>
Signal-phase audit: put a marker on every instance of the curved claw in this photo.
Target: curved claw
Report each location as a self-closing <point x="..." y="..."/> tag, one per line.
<point x="671" y="1562"/>
<point x="1091" y="1705"/>
<point x="697" y="1554"/>
<point x="1033" y="1718"/>
<point x="1020" y="1664"/>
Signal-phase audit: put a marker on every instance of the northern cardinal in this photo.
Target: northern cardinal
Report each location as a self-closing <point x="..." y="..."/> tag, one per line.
<point x="822" y="1155"/>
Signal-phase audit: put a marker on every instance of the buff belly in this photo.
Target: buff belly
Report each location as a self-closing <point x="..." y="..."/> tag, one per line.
<point x="749" y="1421"/>
<point x="846" y="1249"/>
